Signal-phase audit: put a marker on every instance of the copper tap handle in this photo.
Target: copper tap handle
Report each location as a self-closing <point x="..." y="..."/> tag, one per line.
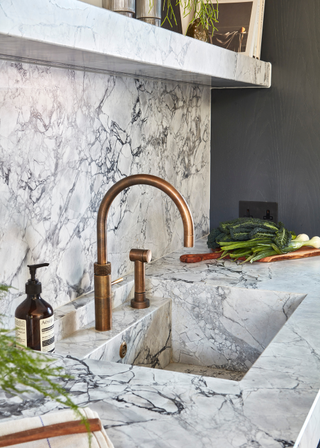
<point x="140" y="255"/>
<point x="115" y="282"/>
<point x="45" y="432"/>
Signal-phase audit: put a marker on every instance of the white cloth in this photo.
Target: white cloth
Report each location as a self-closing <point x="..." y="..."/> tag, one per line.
<point x="99" y="438"/>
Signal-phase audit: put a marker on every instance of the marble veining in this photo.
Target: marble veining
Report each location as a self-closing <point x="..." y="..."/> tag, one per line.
<point x="221" y="327"/>
<point x="65" y="138"/>
<point x="224" y="327"/>
<point x="145" y="407"/>
<point x="156" y="408"/>
<point x="205" y="371"/>
<point x="146" y="332"/>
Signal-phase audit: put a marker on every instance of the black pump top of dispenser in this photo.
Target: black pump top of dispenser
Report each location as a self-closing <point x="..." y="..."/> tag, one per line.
<point x="33" y="286"/>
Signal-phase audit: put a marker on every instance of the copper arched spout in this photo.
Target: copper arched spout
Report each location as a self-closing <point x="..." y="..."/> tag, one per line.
<point x="102" y="269"/>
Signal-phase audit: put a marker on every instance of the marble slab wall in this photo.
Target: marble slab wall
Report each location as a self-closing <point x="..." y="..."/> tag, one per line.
<point x="65" y="138"/>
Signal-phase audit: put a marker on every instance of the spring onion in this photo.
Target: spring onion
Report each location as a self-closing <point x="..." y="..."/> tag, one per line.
<point x="302" y="237"/>
<point x="294" y="245"/>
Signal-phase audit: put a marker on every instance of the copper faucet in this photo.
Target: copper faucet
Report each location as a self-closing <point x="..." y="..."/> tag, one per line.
<point x="102" y="269"/>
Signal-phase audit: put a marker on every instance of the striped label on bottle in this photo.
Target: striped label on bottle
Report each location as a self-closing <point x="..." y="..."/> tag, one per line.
<point x="21" y="331"/>
<point x="47" y="334"/>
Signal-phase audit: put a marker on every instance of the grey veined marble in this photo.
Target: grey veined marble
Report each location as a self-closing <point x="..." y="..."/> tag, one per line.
<point x="221" y="327"/>
<point x="268" y="408"/>
<point x="196" y="328"/>
<point x="65" y="138"/>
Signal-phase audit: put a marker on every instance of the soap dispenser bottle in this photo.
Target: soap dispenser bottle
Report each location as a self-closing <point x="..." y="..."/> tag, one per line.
<point x="34" y="317"/>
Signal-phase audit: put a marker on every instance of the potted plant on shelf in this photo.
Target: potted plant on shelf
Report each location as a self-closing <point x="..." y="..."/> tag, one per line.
<point x="199" y="17"/>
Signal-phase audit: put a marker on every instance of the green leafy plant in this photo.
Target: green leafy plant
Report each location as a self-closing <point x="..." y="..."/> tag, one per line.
<point x="204" y="12"/>
<point x="23" y="370"/>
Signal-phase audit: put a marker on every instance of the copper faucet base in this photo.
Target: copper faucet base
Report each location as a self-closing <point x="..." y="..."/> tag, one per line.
<point x="140" y="305"/>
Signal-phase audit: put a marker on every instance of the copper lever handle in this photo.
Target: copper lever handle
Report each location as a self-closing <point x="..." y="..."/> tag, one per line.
<point x="115" y="282"/>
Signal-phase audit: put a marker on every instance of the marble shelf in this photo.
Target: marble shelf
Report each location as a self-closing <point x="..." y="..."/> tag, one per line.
<point x="73" y="34"/>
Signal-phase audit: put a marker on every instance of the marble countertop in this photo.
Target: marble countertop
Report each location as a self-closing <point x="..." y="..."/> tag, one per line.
<point x="70" y="33"/>
<point x="143" y="407"/>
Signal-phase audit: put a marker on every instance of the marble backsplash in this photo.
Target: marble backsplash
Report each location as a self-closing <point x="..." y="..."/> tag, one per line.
<point x="65" y="138"/>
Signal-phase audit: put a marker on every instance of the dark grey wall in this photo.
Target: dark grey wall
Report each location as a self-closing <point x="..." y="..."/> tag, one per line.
<point x="266" y="143"/>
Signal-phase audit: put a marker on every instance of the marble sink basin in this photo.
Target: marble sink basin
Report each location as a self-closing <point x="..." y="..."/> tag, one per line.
<point x="191" y="327"/>
<point x="214" y="331"/>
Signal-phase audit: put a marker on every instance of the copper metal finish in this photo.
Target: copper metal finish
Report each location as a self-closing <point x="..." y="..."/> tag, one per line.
<point x="123" y="349"/>
<point x="103" y="302"/>
<point x="102" y="269"/>
<point x="140" y="257"/>
<point x="115" y="282"/>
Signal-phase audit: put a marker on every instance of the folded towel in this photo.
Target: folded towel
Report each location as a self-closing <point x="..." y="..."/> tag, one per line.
<point x="99" y="438"/>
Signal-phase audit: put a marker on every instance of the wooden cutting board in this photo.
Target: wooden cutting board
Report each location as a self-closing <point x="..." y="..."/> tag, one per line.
<point x="304" y="252"/>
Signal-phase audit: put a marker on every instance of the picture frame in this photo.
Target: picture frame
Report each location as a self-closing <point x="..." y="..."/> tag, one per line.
<point x="257" y="49"/>
<point x="240" y="26"/>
